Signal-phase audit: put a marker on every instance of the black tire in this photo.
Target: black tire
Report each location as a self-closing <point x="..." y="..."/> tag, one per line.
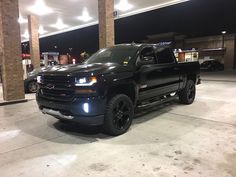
<point x="32" y="87"/>
<point x="187" y="95"/>
<point x="119" y="115"/>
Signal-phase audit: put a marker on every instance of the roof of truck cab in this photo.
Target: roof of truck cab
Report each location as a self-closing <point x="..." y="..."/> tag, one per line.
<point x="142" y="45"/>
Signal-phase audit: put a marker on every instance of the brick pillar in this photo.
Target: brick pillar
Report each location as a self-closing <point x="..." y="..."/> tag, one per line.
<point x="33" y="26"/>
<point x="106" y="23"/>
<point x="229" y="53"/>
<point x="10" y="50"/>
<point x="235" y="52"/>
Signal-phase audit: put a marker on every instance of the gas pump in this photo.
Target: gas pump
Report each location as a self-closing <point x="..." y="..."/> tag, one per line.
<point x="46" y="55"/>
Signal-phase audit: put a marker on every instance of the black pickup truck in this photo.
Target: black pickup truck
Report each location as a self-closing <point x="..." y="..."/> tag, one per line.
<point x="113" y="83"/>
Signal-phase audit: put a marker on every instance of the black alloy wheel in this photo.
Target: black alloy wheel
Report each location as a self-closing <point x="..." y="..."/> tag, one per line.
<point x="119" y="115"/>
<point x="32" y="87"/>
<point x="191" y="91"/>
<point x="188" y="94"/>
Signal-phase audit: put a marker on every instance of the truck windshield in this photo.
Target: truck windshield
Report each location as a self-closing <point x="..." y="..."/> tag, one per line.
<point x="120" y="55"/>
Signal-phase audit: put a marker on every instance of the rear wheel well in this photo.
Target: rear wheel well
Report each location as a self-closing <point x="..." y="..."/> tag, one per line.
<point x="192" y="77"/>
<point x="126" y="89"/>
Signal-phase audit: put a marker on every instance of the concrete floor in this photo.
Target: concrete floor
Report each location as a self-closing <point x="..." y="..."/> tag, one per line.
<point x="171" y="141"/>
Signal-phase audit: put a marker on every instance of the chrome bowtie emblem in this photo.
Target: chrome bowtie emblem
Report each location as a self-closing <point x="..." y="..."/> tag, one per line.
<point x="50" y="86"/>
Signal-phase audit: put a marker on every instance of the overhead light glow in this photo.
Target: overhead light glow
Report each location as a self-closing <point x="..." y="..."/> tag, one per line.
<point x="40" y="8"/>
<point x="26" y="34"/>
<point x="85" y="16"/>
<point x="41" y="30"/>
<point x="154" y="7"/>
<point x="124" y="5"/>
<point x="224" y="32"/>
<point x="22" y="20"/>
<point x="59" y="25"/>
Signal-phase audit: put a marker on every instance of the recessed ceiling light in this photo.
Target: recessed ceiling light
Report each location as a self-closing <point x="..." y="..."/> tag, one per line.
<point x="223" y="32"/>
<point x="85" y="16"/>
<point x="22" y="20"/>
<point x="26" y="34"/>
<point x="40" y="8"/>
<point x="59" y="25"/>
<point x="124" y="5"/>
<point x="41" y="30"/>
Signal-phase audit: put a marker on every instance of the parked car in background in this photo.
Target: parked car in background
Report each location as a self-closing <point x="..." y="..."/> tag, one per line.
<point x="212" y="65"/>
<point x="30" y="83"/>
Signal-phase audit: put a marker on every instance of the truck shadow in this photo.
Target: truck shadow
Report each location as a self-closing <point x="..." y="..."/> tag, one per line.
<point x="141" y="116"/>
<point x="147" y="114"/>
<point x="47" y="128"/>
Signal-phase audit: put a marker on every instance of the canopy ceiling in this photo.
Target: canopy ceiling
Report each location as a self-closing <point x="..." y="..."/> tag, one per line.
<point x="58" y="16"/>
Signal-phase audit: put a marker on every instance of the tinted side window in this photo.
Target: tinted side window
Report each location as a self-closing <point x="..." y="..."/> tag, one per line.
<point x="165" y="56"/>
<point x="148" y="54"/>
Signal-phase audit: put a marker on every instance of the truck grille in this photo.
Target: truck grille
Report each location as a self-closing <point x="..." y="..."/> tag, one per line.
<point x="57" y="88"/>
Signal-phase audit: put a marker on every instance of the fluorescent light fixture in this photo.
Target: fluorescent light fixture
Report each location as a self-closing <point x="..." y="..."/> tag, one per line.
<point x="40" y="8"/>
<point x="122" y="15"/>
<point x="123" y="6"/>
<point x="85" y="16"/>
<point x="223" y="32"/>
<point x="22" y="20"/>
<point x="146" y="9"/>
<point x="41" y="30"/>
<point x="59" y="25"/>
<point x="26" y="34"/>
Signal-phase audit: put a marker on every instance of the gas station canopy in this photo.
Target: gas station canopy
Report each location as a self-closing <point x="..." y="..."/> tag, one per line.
<point x="65" y="15"/>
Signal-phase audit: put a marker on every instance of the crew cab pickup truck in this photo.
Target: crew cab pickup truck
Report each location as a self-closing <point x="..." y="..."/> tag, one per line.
<point x="113" y="83"/>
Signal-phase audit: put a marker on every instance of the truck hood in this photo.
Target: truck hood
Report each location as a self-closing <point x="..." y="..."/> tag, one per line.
<point x="94" y="69"/>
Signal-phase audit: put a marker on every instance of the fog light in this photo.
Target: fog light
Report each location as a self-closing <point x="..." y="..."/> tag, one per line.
<point x="86" y="107"/>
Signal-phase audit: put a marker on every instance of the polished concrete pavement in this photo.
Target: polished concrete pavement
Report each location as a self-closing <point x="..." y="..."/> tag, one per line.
<point x="171" y="140"/>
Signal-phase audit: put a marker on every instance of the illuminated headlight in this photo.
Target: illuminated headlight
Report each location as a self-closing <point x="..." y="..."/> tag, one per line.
<point x="85" y="81"/>
<point x="86" y="107"/>
<point x="39" y="79"/>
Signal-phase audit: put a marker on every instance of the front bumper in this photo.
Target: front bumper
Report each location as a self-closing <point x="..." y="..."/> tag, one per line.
<point x="73" y="111"/>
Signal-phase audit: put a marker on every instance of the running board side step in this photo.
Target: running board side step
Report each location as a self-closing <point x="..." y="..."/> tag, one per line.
<point x="155" y="103"/>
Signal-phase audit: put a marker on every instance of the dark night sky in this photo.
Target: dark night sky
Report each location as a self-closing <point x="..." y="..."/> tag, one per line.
<point x="194" y="18"/>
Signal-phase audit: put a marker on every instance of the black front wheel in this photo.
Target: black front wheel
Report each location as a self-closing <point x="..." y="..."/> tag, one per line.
<point x="187" y="95"/>
<point x="119" y="115"/>
<point x="32" y="87"/>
